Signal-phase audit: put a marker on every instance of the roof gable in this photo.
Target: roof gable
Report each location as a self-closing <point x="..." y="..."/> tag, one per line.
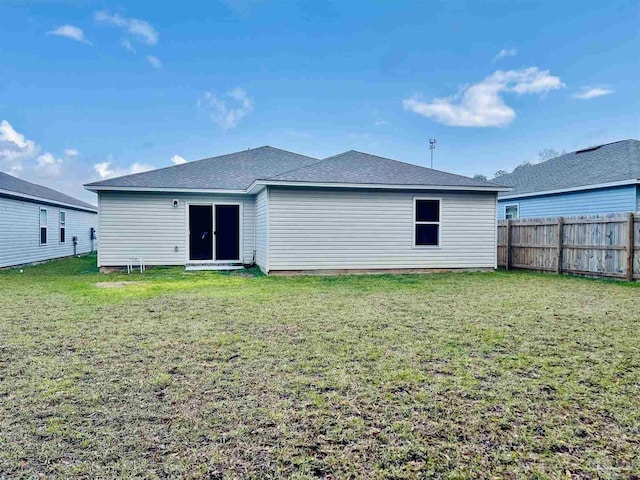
<point x="613" y="162"/>
<point x="21" y="188"/>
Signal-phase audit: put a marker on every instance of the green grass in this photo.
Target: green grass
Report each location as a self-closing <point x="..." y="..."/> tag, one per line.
<point x="499" y="375"/>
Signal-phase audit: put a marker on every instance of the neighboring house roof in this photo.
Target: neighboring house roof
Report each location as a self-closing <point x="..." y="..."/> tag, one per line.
<point x="604" y="165"/>
<point x="15" y="187"/>
<point x="242" y="171"/>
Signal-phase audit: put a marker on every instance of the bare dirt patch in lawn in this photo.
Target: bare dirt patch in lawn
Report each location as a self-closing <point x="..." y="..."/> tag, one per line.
<point x="121" y="284"/>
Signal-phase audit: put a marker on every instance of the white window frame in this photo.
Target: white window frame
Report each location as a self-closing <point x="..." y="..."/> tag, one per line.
<point x="62" y="224"/>
<point x="517" y="205"/>
<point x="45" y="226"/>
<point x="416" y="222"/>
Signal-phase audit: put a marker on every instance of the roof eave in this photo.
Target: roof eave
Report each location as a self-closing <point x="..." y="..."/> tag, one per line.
<point x="48" y="201"/>
<point x="257" y="185"/>
<point x="621" y="183"/>
<point x="384" y="186"/>
<point x="103" y="188"/>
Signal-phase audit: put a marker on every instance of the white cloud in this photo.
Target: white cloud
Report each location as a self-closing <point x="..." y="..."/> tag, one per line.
<point x="221" y="112"/>
<point x="127" y="45"/>
<point x="10" y="135"/>
<point x="69" y="31"/>
<point x="481" y="104"/>
<point x="139" y="29"/>
<point x="105" y="169"/>
<point x="154" y="61"/>
<point x="48" y="165"/>
<point x="587" y="93"/>
<point x="380" y="123"/>
<point x="505" y="52"/>
<point x="15" y="149"/>
<point x="178" y="160"/>
<point x="19" y="155"/>
<point x="22" y="157"/>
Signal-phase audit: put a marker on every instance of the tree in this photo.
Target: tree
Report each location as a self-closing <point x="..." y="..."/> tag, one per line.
<point x="549" y="153"/>
<point x="523" y="165"/>
<point x="479" y="176"/>
<point x="499" y="173"/>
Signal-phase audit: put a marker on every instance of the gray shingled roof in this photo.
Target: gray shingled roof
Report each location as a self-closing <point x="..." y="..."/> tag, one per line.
<point x="234" y="171"/>
<point x="358" y="167"/>
<point x="237" y="171"/>
<point x="608" y="163"/>
<point x="22" y="187"/>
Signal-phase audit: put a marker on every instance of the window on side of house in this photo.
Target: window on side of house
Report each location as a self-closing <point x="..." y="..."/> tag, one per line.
<point x="63" y="226"/>
<point x="512" y="212"/>
<point x="43" y="226"/>
<point x="427" y="222"/>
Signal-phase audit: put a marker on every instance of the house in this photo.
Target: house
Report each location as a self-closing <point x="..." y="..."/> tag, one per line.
<point x="38" y="223"/>
<point x="288" y="212"/>
<point x="601" y="179"/>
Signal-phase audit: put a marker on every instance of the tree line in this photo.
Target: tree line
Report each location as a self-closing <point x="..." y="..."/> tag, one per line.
<point x="543" y="155"/>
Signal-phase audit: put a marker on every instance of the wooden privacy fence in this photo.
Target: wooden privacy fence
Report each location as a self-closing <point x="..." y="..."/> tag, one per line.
<point x="598" y="245"/>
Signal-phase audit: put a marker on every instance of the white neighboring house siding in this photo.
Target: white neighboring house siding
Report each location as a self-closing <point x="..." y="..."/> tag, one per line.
<point x="313" y="229"/>
<point x="262" y="229"/>
<point x="147" y="225"/>
<point x="20" y="232"/>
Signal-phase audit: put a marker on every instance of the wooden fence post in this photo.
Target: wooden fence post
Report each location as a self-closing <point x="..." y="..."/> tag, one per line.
<point x="560" y="244"/>
<point x="508" y="242"/>
<point x="630" y="246"/>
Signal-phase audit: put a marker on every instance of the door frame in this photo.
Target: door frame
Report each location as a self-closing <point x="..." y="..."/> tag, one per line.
<point x="213" y="204"/>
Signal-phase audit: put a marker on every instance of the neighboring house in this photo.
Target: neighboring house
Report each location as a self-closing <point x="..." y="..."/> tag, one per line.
<point x="602" y="179"/>
<point x="289" y="212"/>
<point x="38" y="223"/>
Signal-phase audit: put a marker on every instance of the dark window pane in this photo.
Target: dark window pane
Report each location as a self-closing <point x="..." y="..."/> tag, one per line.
<point x="427" y="234"/>
<point x="62" y="235"/>
<point x="227" y="232"/>
<point x="427" y="210"/>
<point x="200" y="232"/>
<point x="43" y="235"/>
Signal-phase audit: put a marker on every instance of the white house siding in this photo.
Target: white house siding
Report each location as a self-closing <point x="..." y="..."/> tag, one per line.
<point x="262" y="228"/>
<point x="20" y="232"/>
<point x="147" y="225"/>
<point x="355" y="229"/>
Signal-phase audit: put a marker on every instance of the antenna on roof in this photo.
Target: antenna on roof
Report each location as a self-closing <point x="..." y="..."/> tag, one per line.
<point x="432" y="147"/>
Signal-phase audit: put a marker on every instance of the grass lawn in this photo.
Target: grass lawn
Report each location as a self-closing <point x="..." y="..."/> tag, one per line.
<point x="499" y="375"/>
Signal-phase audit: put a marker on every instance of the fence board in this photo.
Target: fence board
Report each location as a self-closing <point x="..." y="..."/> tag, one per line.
<point x="636" y="259"/>
<point x="599" y="245"/>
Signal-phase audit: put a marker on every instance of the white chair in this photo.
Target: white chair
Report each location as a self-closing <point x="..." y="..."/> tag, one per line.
<point x="135" y="263"/>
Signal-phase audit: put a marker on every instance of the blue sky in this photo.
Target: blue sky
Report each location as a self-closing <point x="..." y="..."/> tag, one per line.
<point x="96" y="89"/>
